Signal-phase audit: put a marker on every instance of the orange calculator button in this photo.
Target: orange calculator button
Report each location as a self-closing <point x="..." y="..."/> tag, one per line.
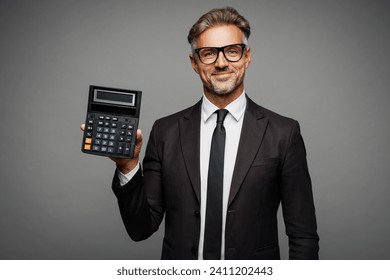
<point x="87" y="147"/>
<point x="88" y="140"/>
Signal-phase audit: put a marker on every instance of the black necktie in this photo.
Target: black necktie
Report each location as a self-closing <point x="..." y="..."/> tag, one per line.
<point x="213" y="226"/>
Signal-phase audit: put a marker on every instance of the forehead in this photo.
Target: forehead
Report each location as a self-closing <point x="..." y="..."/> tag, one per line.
<point x="219" y="36"/>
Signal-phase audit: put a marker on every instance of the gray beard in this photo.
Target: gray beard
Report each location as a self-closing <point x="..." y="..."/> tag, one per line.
<point x="225" y="89"/>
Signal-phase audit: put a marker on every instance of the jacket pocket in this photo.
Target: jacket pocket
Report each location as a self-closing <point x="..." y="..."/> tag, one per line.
<point x="265" y="161"/>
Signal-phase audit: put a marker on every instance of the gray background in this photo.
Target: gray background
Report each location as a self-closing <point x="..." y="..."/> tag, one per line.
<point x="324" y="63"/>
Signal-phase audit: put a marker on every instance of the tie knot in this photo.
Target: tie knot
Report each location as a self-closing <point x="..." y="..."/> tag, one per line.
<point x="221" y="114"/>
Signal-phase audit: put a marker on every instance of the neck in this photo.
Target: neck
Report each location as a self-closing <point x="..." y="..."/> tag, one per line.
<point x="222" y="100"/>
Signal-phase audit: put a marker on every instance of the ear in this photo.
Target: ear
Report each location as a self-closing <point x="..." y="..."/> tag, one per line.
<point x="194" y="64"/>
<point x="248" y="56"/>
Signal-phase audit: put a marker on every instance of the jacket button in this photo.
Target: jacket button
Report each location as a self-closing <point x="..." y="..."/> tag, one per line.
<point x="197" y="213"/>
<point x="194" y="250"/>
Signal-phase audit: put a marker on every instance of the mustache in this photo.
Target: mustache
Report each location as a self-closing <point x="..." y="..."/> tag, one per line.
<point x="222" y="70"/>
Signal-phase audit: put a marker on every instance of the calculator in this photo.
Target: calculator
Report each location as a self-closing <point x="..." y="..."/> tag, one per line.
<point x="112" y="122"/>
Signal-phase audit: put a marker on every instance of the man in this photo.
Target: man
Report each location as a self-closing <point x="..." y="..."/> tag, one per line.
<point x="220" y="205"/>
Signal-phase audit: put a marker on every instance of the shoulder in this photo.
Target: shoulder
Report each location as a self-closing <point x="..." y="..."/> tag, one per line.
<point x="274" y="119"/>
<point x="279" y="129"/>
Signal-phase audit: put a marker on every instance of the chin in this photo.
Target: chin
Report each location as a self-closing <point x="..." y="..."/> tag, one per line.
<point x="224" y="90"/>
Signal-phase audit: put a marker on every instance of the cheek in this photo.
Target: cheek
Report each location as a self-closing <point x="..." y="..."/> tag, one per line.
<point x="237" y="71"/>
<point x="205" y="74"/>
<point x="241" y="70"/>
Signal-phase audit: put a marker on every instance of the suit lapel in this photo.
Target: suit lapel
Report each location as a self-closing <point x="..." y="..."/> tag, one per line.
<point x="189" y="131"/>
<point x="253" y="128"/>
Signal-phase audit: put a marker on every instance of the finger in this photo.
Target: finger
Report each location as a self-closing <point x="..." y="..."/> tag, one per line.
<point x="82" y="126"/>
<point x="139" y="138"/>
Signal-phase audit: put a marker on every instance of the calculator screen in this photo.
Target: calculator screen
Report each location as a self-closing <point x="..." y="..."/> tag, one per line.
<point x="114" y="97"/>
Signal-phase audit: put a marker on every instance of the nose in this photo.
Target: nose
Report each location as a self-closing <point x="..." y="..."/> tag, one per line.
<point x="221" y="61"/>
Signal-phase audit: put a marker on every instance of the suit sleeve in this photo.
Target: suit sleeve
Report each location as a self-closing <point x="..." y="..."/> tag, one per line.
<point x="297" y="200"/>
<point x="140" y="201"/>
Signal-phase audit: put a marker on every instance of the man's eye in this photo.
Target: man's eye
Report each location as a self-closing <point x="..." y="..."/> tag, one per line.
<point x="232" y="51"/>
<point x="208" y="53"/>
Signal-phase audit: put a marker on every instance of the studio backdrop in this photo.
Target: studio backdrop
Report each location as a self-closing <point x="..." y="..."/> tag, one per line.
<point x="323" y="63"/>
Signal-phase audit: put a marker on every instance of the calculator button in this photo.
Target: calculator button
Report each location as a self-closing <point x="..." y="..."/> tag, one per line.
<point x="96" y="148"/>
<point x="101" y="117"/>
<point x="106" y="130"/>
<point x="107" y="124"/>
<point x="88" y="134"/>
<point x="108" y="118"/>
<point x="114" y="125"/>
<point x="112" y="137"/>
<point x="115" y="119"/>
<point x="123" y="126"/>
<point x="87" y="147"/>
<point x="104" y="142"/>
<point x="100" y="123"/>
<point x="128" y="139"/>
<point x="127" y="149"/>
<point x="98" y="135"/>
<point x="120" y="148"/>
<point x="98" y="141"/>
<point x="130" y="127"/>
<point x="110" y="150"/>
<point x="111" y="143"/>
<point x="129" y="133"/>
<point x="105" y="136"/>
<point x="113" y="131"/>
<point x="89" y="127"/>
<point x="90" y="121"/>
<point x="99" y="129"/>
<point x="121" y="138"/>
<point x="103" y="149"/>
<point x="123" y="132"/>
<point x="88" y="140"/>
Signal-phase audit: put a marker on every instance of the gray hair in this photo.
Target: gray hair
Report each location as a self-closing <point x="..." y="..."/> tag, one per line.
<point x="215" y="17"/>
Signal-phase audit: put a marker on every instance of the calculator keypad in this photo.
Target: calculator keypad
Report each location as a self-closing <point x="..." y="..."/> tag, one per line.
<point x="108" y="135"/>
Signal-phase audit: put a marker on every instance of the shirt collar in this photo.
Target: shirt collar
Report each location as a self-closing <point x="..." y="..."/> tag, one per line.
<point x="236" y="108"/>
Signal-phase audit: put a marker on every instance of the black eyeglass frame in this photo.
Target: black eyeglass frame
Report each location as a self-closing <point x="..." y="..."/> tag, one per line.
<point x="221" y="49"/>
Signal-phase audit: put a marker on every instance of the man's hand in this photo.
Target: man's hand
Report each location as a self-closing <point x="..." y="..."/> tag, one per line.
<point x="125" y="165"/>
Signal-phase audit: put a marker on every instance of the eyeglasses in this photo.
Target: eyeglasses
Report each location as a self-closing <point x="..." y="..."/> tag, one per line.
<point x="232" y="53"/>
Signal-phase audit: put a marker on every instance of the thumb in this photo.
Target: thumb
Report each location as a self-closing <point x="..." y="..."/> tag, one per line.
<point x="138" y="143"/>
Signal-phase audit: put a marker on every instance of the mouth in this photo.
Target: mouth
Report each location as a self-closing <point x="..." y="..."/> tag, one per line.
<point x="222" y="73"/>
<point x="222" y="76"/>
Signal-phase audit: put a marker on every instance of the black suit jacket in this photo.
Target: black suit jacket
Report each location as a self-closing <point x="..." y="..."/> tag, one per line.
<point x="270" y="168"/>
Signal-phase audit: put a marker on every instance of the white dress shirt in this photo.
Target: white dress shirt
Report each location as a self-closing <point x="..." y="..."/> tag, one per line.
<point x="233" y="124"/>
